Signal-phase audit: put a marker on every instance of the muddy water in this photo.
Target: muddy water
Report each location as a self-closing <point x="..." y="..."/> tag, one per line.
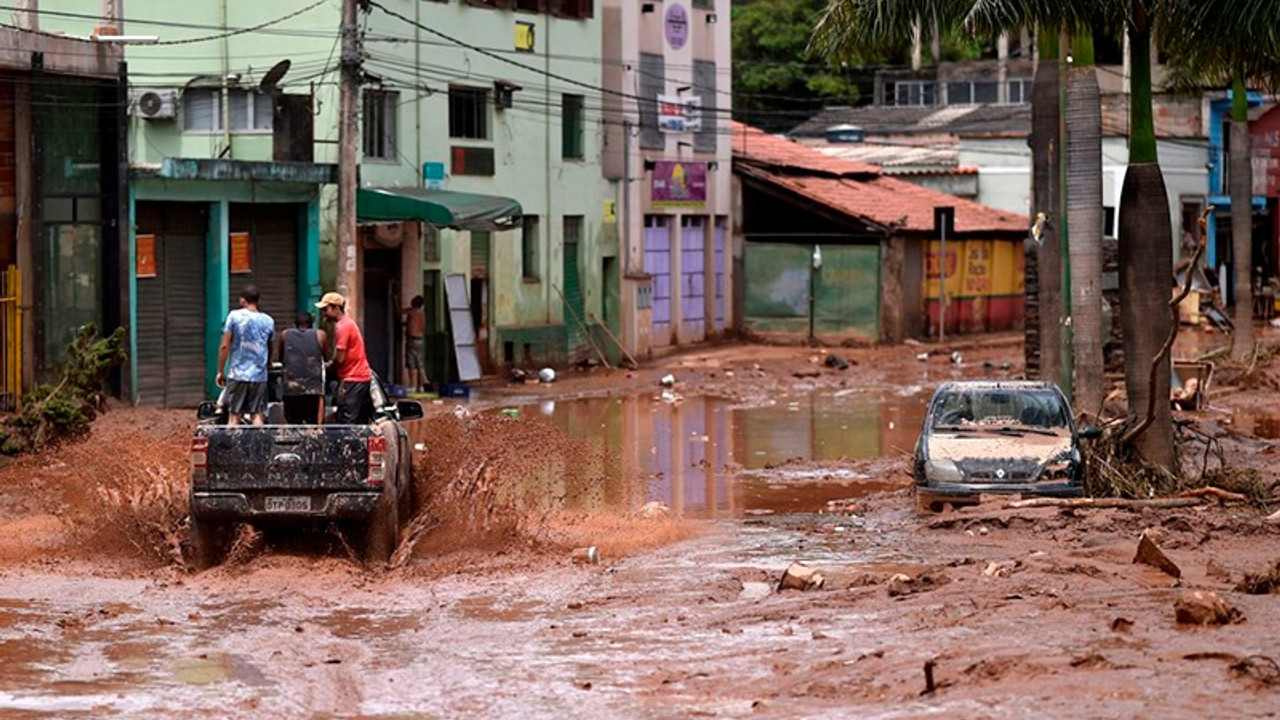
<point x="707" y="457"/>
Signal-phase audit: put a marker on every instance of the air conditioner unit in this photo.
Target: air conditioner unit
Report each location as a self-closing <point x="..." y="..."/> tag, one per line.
<point x="156" y="104"/>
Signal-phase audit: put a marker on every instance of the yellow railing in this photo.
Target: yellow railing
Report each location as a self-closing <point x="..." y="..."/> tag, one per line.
<point x="11" y="333"/>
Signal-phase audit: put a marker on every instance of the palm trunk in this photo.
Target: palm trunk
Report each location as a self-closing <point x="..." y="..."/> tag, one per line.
<point x="1146" y="260"/>
<point x="1241" y="188"/>
<point x="1046" y="149"/>
<point x="1084" y="223"/>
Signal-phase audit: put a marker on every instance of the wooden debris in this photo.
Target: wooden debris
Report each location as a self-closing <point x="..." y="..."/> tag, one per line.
<point x="799" y="576"/>
<point x="1205" y="608"/>
<point x="1211" y="491"/>
<point x="1150" y="554"/>
<point x="1106" y="502"/>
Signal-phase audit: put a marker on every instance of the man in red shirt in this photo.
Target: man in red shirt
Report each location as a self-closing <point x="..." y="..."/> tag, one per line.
<point x="352" y="403"/>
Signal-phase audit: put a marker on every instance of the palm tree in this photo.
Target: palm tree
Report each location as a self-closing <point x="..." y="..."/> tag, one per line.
<point x="1083" y="123"/>
<point x="1251" y="31"/>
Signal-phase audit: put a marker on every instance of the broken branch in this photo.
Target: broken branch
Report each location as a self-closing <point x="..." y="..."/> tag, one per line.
<point x="1106" y="502"/>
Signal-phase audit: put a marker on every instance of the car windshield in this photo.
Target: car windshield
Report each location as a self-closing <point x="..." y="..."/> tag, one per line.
<point x="991" y="407"/>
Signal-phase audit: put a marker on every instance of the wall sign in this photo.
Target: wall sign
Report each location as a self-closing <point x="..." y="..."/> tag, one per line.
<point x="679" y="114"/>
<point x="679" y="184"/>
<point x="525" y="36"/>
<point x="677" y="26"/>
<point x="241" y="260"/>
<point x="145" y="256"/>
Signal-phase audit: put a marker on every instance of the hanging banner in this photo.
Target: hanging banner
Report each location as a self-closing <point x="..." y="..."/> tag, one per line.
<point x="679" y="184"/>
<point x="145" y="256"/>
<point x="241" y="261"/>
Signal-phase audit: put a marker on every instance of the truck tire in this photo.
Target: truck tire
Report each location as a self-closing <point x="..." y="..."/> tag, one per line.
<point x="381" y="534"/>
<point x="210" y="542"/>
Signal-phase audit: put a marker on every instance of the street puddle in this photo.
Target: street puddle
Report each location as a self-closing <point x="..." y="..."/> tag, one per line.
<point x="707" y="457"/>
<point x="1258" y="425"/>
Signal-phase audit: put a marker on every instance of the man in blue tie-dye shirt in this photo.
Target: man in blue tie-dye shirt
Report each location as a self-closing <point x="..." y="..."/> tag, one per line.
<point x="246" y="340"/>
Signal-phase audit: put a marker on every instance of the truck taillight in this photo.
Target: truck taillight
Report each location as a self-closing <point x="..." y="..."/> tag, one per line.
<point x="377" y="461"/>
<point x="199" y="460"/>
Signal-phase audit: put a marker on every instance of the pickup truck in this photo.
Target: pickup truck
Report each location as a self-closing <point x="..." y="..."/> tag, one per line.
<point x="359" y="476"/>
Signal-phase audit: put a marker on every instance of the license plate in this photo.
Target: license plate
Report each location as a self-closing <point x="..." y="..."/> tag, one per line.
<point x="289" y="503"/>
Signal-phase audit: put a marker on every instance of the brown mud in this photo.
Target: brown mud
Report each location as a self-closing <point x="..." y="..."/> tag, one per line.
<point x="496" y="611"/>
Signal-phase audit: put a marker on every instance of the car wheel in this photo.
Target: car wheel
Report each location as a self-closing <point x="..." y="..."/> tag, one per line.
<point x="382" y="534"/>
<point x="209" y="542"/>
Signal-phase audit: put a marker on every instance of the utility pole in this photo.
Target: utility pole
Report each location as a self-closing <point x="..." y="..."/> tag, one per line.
<point x="348" y="157"/>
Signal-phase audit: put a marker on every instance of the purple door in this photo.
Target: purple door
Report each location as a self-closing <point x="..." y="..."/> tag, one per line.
<point x="657" y="262"/>
<point x="693" y="277"/>
<point x="718" y="267"/>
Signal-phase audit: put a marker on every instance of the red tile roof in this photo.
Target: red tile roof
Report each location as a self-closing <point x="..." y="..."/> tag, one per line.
<point x="860" y="191"/>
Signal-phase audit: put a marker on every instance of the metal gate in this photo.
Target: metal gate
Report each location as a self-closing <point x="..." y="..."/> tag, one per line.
<point x="693" y="285"/>
<point x="576" y="341"/>
<point x="11" y="334"/>
<point x="171" y="303"/>
<point x="657" y="263"/>
<point x="273" y="258"/>
<point x="813" y="290"/>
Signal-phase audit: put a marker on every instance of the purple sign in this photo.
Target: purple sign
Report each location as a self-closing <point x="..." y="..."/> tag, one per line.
<point x="677" y="26"/>
<point x="679" y="184"/>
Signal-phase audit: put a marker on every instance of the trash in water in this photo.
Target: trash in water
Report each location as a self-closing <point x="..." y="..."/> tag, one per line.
<point x="667" y="381"/>
<point x="547" y="375"/>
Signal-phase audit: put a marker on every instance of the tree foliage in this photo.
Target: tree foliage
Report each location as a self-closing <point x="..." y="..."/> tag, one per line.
<point x="62" y="411"/>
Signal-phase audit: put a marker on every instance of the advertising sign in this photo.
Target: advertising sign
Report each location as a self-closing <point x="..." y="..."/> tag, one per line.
<point x="241" y="261"/>
<point x="679" y="114"/>
<point x="679" y="184"/>
<point x="145" y="255"/>
<point x="677" y="26"/>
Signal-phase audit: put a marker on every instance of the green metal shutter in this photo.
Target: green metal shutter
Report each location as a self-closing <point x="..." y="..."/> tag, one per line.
<point x="847" y="292"/>
<point x="575" y="341"/>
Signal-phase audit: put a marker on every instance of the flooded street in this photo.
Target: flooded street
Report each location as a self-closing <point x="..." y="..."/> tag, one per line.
<point x="698" y="500"/>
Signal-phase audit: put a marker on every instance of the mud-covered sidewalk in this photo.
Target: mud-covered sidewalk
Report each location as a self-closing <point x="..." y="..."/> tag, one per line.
<point x="987" y="612"/>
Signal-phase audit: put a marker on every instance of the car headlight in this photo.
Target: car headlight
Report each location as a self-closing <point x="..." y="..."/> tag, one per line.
<point x="943" y="470"/>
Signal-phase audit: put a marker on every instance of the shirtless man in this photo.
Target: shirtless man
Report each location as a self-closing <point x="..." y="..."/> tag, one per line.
<point x="415" y="329"/>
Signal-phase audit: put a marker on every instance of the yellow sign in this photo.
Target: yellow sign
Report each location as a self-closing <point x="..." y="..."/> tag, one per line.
<point x="610" y="212"/>
<point x="524" y="36"/>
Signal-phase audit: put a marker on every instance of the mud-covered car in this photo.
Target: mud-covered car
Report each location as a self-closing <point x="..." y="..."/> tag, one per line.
<point x="998" y="437"/>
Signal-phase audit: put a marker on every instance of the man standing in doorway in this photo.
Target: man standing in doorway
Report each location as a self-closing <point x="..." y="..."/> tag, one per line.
<point x="415" y="328"/>
<point x="352" y="403"/>
<point x="246" y="341"/>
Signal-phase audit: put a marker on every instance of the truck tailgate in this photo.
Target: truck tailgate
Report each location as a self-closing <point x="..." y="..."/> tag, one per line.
<point x="287" y="457"/>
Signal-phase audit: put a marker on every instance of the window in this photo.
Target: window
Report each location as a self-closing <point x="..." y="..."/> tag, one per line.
<point x="571" y="126"/>
<point x="1019" y="91"/>
<point x="913" y="93"/>
<point x="202" y="110"/>
<point x="529" y="248"/>
<point x="531" y="5"/>
<point x="704" y="86"/>
<point x="1108" y="221"/>
<point x="704" y="4"/>
<point x="573" y="229"/>
<point x="575" y="9"/>
<point x="468" y="113"/>
<point x="972" y="93"/>
<point x="653" y="82"/>
<point x="380" y="110"/>
<point x="250" y="110"/>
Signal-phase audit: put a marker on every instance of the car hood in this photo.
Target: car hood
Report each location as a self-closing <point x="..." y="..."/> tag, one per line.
<point x="989" y="446"/>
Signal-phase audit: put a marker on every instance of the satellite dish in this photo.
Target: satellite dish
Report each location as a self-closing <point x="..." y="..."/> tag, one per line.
<point x="272" y="78"/>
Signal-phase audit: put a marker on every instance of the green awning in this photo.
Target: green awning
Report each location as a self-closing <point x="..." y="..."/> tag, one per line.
<point x="442" y="208"/>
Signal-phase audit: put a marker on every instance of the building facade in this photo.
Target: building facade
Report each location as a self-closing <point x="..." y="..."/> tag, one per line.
<point x="62" y="196"/>
<point x="667" y="143"/>
<point x="233" y="129"/>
